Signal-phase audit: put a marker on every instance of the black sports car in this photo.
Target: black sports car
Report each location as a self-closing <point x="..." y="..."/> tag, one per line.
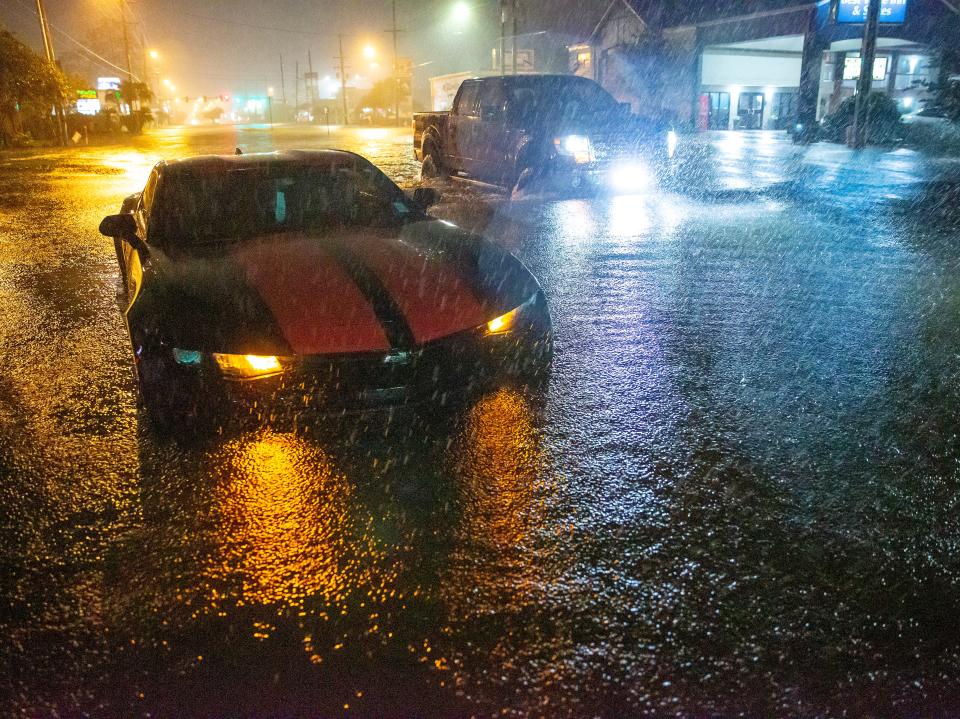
<point x="308" y="279"/>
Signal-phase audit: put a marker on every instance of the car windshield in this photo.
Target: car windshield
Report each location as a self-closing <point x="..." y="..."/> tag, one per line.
<point x="211" y="206"/>
<point x="561" y="101"/>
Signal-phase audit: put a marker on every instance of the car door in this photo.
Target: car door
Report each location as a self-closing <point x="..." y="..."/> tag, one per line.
<point x="462" y="124"/>
<point x="491" y="145"/>
<point x="133" y="260"/>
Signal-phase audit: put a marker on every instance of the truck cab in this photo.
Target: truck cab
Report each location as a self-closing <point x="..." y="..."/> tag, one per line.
<point x="501" y="127"/>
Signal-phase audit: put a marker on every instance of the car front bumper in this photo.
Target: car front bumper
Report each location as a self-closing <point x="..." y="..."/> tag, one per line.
<point x="436" y="373"/>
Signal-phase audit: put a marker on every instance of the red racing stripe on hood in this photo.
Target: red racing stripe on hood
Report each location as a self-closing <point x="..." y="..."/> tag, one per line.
<point x="319" y="308"/>
<point x="435" y="298"/>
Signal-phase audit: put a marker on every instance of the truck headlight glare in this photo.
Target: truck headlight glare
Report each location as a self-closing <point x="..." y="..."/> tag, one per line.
<point x="672" y="141"/>
<point x="576" y="146"/>
<point x="630" y="177"/>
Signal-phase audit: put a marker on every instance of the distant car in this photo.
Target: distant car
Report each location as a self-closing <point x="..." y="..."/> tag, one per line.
<point x="510" y="130"/>
<point x="307" y="280"/>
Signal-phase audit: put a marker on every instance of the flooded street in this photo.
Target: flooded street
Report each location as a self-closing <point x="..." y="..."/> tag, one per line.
<point x="737" y="494"/>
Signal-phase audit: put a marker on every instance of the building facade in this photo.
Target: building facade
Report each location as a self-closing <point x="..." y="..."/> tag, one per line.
<point x="769" y="69"/>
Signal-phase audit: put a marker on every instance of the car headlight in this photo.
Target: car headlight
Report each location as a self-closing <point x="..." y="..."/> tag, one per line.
<point x="631" y="177"/>
<point x="672" y="141"/>
<point x="576" y="146"/>
<point x="505" y="323"/>
<point x="248" y="366"/>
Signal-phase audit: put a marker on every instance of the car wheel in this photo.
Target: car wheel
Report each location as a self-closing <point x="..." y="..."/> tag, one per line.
<point x="432" y="166"/>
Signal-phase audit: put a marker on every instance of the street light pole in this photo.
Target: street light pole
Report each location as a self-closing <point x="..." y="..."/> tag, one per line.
<point x="868" y="52"/>
<point x="51" y="58"/>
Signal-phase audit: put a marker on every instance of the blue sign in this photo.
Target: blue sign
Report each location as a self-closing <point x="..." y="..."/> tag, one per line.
<point x="855" y="11"/>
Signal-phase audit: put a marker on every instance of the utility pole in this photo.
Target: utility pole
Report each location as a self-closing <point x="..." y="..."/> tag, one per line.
<point x="283" y="85"/>
<point x="309" y="89"/>
<point x="861" y="115"/>
<point x="126" y="41"/>
<point x="343" y="81"/>
<point x="396" y="68"/>
<point x="61" y="124"/>
<point x="503" y="36"/>
<point x="143" y="59"/>
<point x="296" y="89"/>
<point x="513" y="18"/>
<point x="135" y="117"/>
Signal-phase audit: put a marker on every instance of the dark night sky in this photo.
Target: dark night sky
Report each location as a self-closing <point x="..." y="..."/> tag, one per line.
<point x="210" y="56"/>
<point x="233" y="46"/>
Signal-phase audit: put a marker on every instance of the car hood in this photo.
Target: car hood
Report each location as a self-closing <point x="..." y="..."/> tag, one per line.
<point x="352" y="291"/>
<point x="620" y="131"/>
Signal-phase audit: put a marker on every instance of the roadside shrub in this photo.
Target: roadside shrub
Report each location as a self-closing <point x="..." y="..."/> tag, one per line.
<point x="22" y="139"/>
<point x="935" y="139"/>
<point x="883" y="114"/>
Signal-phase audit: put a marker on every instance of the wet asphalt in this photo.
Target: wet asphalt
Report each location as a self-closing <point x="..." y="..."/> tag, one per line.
<point x="737" y="494"/>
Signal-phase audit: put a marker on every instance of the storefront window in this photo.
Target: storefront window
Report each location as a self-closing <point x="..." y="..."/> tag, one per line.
<point x="912" y="71"/>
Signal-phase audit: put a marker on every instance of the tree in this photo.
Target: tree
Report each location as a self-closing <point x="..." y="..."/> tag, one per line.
<point x="380" y="96"/>
<point x="213" y="114"/>
<point x="946" y="90"/>
<point x="137" y="95"/>
<point x="29" y="87"/>
<point x="883" y="118"/>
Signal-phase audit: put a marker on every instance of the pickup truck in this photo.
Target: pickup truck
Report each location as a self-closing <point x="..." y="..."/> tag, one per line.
<point x="510" y="130"/>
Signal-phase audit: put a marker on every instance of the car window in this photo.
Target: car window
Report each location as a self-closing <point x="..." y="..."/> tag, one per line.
<point x="493" y="100"/>
<point x="558" y="99"/>
<point x="206" y="207"/>
<point x="467" y="101"/>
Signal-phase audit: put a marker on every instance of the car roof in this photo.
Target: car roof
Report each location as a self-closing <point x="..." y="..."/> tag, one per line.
<point x="221" y="163"/>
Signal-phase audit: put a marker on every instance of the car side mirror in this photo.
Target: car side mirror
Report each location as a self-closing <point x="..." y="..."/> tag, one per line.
<point x="121" y="225"/>
<point x="426" y="197"/>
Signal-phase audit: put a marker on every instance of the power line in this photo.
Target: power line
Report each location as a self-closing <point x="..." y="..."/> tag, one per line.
<point x="256" y="26"/>
<point x="76" y="42"/>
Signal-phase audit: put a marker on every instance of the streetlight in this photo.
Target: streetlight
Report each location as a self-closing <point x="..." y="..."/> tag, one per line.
<point x="154" y="55"/>
<point x="369" y="52"/>
<point x="461" y="13"/>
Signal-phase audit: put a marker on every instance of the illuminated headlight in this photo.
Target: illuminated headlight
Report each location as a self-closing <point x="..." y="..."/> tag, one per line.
<point x="576" y="146"/>
<point x="631" y="177"/>
<point x="672" y="141"/>
<point x="248" y="366"/>
<point x="505" y="323"/>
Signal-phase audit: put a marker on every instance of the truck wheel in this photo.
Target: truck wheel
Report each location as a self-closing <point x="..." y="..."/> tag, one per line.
<point x="432" y="163"/>
<point x="527" y="177"/>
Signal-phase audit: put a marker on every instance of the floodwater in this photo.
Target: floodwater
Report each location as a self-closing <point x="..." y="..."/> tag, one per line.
<point x="738" y="493"/>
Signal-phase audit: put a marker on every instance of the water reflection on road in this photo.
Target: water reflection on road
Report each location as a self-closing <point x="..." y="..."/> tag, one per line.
<point x="738" y="492"/>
